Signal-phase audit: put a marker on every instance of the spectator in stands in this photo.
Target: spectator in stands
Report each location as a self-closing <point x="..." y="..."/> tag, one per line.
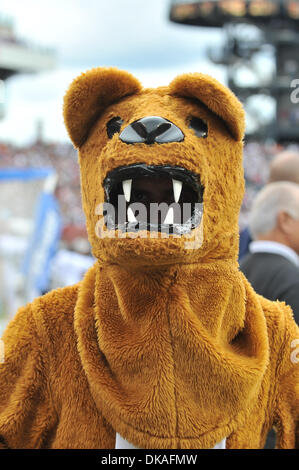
<point x="272" y="266"/>
<point x="284" y="167"/>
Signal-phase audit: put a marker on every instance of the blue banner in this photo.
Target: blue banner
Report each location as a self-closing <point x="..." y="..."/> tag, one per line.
<point x="43" y="245"/>
<point x="25" y="174"/>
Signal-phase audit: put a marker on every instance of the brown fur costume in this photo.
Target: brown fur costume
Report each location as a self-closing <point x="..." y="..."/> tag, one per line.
<point x="163" y="342"/>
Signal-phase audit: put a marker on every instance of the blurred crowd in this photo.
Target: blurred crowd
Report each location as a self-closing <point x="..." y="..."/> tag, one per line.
<point x="63" y="158"/>
<point x="18" y="205"/>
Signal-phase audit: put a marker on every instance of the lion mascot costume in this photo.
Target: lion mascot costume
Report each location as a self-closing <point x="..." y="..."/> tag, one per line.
<point x="164" y="344"/>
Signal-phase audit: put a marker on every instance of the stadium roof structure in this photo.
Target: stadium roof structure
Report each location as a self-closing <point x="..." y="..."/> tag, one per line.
<point x="19" y="58"/>
<point x="16" y="56"/>
<point x="255" y="29"/>
<point x="217" y="13"/>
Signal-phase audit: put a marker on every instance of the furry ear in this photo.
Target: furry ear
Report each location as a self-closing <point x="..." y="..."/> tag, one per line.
<point x="88" y="96"/>
<point x="218" y="98"/>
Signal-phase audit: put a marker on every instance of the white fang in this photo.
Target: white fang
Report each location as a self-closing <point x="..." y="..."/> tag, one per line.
<point x="131" y="216"/>
<point x="127" y="185"/>
<point x="169" y="216"/>
<point x="177" y="188"/>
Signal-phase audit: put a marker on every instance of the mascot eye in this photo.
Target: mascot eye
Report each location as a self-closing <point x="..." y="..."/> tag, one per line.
<point x="200" y="128"/>
<point x="113" y="126"/>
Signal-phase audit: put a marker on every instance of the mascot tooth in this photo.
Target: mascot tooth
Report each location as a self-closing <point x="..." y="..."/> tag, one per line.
<point x="163" y="344"/>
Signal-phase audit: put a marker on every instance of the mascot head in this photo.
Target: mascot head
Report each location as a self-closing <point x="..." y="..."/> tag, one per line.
<point x="161" y="169"/>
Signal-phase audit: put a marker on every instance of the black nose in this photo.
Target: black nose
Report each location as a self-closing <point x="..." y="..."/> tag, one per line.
<point x="151" y="129"/>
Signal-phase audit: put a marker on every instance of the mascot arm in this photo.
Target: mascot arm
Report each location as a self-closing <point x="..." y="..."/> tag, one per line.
<point x="287" y="396"/>
<point x="26" y="412"/>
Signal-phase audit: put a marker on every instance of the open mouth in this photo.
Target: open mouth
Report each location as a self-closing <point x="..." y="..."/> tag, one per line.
<point x="160" y="198"/>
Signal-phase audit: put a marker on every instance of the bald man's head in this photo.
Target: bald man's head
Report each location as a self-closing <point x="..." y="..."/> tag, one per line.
<point x="285" y="167"/>
<point x="274" y="214"/>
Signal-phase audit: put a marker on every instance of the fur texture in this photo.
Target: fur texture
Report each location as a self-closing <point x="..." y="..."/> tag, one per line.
<point x="164" y="341"/>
